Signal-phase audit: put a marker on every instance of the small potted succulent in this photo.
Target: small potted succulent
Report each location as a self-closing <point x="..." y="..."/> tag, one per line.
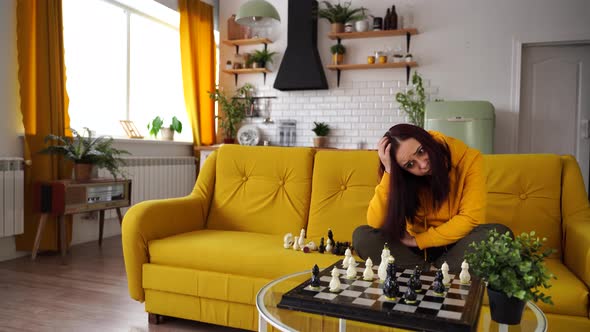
<point x="321" y="129"/>
<point x="338" y="51"/>
<point x="166" y="133"/>
<point x="514" y="270"/>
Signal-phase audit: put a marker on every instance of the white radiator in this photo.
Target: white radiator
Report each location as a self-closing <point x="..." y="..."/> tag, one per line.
<point x="11" y="196"/>
<point x="156" y="178"/>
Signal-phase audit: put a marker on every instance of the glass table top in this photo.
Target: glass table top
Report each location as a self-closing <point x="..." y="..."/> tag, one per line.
<point x="288" y="320"/>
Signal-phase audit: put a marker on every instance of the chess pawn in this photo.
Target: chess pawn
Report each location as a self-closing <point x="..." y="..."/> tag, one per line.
<point x="445" y="272"/>
<point x="351" y="271"/>
<point x="322" y="247"/>
<point x="329" y="246"/>
<point x="288" y="240"/>
<point x="368" y="274"/>
<point x="335" y="281"/>
<point x="315" y="279"/>
<point x="296" y="243"/>
<point x="464" y="276"/>
<point x="417" y="281"/>
<point x="437" y="285"/>
<point x="410" y="296"/>
<point x="302" y="240"/>
<point x="347" y="256"/>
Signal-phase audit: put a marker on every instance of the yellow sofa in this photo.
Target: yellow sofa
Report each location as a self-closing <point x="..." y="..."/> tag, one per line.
<point x="205" y="256"/>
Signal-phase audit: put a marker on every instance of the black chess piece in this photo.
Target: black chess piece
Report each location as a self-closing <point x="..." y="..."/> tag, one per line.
<point x="331" y="236"/>
<point x="417" y="282"/>
<point x="410" y="295"/>
<point x="417" y="272"/>
<point x="390" y="286"/>
<point x="315" y="279"/>
<point x="437" y="286"/>
<point x="322" y="247"/>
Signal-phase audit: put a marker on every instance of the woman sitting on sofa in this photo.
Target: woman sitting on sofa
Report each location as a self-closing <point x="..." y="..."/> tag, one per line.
<point x="430" y="204"/>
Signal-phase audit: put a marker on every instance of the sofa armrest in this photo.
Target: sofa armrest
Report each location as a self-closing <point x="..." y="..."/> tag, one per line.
<point x="577" y="246"/>
<point x="157" y="219"/>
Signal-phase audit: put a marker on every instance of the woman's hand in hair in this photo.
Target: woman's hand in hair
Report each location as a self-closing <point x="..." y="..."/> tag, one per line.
<point x="384" y="148"/>
<point x="408" y="240"/>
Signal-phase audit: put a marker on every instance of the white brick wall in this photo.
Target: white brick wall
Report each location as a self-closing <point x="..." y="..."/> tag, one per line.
<point x="358" y="112"/>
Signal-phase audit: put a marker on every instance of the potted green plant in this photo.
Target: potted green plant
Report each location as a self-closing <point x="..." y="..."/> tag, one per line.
<point x="321" y="129"/>
<point x="338" y="51"/>
<point x="339" y="14"/>
<point x="167" y="133"/>
<point x="413" y="101"/>
<point x="232" y="113"/>
<point x="86" y="151"/>
<point x="260" y="58"/>
<point x="514" y="270"/>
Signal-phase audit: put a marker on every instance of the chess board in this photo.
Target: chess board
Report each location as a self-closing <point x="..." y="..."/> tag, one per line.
<point x="360" y="300"/>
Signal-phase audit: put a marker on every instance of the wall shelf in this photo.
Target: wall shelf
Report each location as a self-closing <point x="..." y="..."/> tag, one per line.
<point x="237" y="72"/>
<point x="374" y="34"/>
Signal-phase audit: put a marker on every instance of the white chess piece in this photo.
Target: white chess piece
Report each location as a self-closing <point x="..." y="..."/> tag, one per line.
<point x="351" y="271"/>
<point x="352" y="261"/>
<point x="382" y="271"/>
<point x="335" y="282"/>
<point x="296" y="243"/>
<point x="312" y="246"/>
<point x="288" y="240"/>
<point x="346" y="260"/>
<point x="368" y="274"/>
<point x="445" y="271"/>
<point x="329" y="246"/>
<point x="464" y="276"/>
<point x="302" y="239"/>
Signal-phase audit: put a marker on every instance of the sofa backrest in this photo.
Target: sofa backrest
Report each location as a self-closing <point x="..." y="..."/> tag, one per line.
<point x="524" y="193"/>
<point x="261" y="189"/>
<point x="343" y="184"/>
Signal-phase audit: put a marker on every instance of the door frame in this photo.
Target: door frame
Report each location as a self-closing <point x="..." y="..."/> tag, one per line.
<point x="515" y="76"/>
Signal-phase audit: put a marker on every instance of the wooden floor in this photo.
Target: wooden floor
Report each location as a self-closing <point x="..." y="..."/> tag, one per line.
<point x="87" y="294"/>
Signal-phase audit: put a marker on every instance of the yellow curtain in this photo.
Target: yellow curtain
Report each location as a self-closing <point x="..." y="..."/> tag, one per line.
<point x="44" y="104"/>
<point x="197" y="48"/>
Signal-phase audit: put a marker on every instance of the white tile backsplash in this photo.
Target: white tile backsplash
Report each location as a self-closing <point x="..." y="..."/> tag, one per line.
<point x="358" y="113"/>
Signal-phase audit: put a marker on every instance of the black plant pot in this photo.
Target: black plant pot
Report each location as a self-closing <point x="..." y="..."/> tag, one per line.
<point x="504" y="309"/>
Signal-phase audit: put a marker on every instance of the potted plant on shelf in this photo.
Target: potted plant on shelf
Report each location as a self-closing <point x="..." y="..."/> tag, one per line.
<point x="321" y="129"/>
<point x="260" y="58"/>
<point x="514" y="270"/>
<point x="413" y="101"/>
<point x="87" y="151"/>
<point x="339" y="14"/>
<point x="167" y="133"/>
<point x="232" y="113"/>
<point x="338" y="51"/>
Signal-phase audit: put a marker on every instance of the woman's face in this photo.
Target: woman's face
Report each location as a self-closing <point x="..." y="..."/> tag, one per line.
<point x="410" y="156"/>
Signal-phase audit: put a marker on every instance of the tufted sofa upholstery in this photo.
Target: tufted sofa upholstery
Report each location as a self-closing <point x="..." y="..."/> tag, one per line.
<point x="205" y="256"/>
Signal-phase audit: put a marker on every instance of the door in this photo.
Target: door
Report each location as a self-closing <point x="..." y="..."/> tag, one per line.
<point x="555" y="105"/>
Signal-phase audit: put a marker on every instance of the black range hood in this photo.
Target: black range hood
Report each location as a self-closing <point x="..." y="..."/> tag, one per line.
<point x="301" y="67"/>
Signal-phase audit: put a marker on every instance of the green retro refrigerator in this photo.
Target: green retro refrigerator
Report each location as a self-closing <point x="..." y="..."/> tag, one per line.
<point x="470" y="121"/>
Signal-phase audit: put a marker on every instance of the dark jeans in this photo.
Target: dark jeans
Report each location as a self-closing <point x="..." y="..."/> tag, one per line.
<point x="369" y="241"/>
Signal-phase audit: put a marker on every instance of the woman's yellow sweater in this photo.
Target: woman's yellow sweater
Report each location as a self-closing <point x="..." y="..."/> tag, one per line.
<point x="458" y="214"/>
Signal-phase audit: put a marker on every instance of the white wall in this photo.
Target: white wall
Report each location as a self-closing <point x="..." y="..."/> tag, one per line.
<point x="464" y="50"/>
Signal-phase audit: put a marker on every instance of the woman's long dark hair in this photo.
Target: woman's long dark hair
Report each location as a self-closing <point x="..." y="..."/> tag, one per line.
<point x="404" y="199"/>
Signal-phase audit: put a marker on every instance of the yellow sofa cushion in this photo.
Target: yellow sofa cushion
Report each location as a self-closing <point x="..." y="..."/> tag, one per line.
<point x="343" y="184"/>
<point x="261" y="189"/>
<point x="526" y="196"/>
<point x="238" y="253"/>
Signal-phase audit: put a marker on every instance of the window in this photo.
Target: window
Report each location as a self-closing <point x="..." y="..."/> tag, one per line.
<point x="122" y="64"/>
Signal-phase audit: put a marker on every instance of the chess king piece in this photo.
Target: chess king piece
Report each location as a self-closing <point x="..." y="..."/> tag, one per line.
<point x="385" y="254"/>
<point x="288" y="241"/>
<point x="390" y="286"/>
<point x="445" y="272"/>
<point x="410" y="295"/>
<point x="335" y="281"/>
<point x="464" y="276"/>
<point x="315" y="278"/>
<point x="368" y="274"/>
<point x="437" y="285"/>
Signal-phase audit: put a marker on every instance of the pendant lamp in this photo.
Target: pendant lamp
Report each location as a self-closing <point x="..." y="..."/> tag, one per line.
<point x="257" y="13"/>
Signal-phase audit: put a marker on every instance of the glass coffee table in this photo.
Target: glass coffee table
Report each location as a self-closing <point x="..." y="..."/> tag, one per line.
<point x="286" y="320"/>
